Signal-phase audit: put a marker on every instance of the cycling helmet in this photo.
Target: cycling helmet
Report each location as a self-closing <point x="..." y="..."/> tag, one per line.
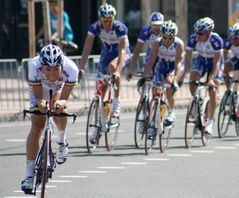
<point x="156" y="18"/>
<point x="233" y="30"/>
<point x="51" y="55"/>
<point x="169" y="28"/>
<point x="204" y="25"/>
<point x="106" y="11"/>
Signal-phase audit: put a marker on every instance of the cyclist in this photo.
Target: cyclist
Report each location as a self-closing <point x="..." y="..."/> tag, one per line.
<point x="148" y="35"/>
<point x="170" y="50"/>
<point x="232" y="43"/>
<point x="209" y="46"/>
<point x="51" y="70"/>
<point x="115" y="52"/>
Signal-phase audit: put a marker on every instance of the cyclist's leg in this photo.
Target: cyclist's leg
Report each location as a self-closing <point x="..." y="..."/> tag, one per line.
<point x="228" y="67"/>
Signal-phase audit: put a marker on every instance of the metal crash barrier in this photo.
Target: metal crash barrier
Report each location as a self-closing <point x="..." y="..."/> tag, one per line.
<point x="14" y="88"/>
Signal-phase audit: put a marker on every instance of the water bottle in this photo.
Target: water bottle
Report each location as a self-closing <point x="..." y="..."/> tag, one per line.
<point x="163" y="109"/>
<point x="106" y="110"/>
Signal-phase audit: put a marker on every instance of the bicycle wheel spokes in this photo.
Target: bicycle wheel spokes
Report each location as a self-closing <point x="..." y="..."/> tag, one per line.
<point x="93" y="124"/>
<point x="112" y="134"/>
<point x="192" y="130"/>
<point x="224" y="117"/>
<point x="140" y="123"/>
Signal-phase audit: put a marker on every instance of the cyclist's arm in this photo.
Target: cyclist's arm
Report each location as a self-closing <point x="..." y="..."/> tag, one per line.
<point x="86" y="50"/>
<point x="138" y="48"/>
<point x="179" y="58"/>
<point x="37" y="91"/>
<point x="188" y="58"/>
<point x="225" y="53"/>
<point x="216" y="65"/>
<point x="152" y="59"/>
<point x="121" y="53"/>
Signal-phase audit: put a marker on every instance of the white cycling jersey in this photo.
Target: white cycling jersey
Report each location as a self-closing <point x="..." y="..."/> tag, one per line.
<point x="69" y="77"/>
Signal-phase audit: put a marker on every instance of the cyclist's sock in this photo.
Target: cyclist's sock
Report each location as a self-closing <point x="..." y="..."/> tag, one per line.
<point x="61" y="136"/>
<point x="29" y="168"/>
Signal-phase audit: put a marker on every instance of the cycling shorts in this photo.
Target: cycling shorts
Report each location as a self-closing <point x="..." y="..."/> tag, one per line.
<point x="234" y="61"/>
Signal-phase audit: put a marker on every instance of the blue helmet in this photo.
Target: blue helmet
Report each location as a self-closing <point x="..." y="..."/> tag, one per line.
<point x="156" y="18"/>
<point x="51" y="55"/>
<point x="233" y="30"/>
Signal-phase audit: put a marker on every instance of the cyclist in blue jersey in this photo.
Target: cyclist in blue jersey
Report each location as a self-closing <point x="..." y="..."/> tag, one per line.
<point x="232" y="44"/>
<point x="148" y="35"/>
<point x="115" y="52"/>
<point x="209" y="46"/>
<point x="170" y="50"/>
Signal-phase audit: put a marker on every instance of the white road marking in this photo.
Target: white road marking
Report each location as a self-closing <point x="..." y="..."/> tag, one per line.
<point x="18" y="196"/>
<point x="73" y="176"/>
<point x="156" y="159"/>
<point x="179" y="155"/>
<point x="236" y="144"/>
<point x="225" y="147"/>
<point x="202" y="151"/>
<point x="15" y="140"/>
<point x="80" y="133"/>
<point x="111" y="167"/>
<point x="134" y="163"/>
<point x="60" y="181"/>
<point x="100" y="172"/>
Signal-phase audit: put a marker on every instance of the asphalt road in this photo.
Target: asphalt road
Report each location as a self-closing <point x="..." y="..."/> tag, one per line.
<point x="199" y="172"/>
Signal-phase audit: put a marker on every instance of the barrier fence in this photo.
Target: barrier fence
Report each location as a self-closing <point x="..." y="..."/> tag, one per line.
<point x="14" y="89"/>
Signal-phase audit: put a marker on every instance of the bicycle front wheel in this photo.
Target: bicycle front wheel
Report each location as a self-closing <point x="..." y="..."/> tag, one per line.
<point x="112" y="133"/>
<point x="192" y="125"/>
<point x="140" y="122"/>
<point x="224" y="117"/>
<point x="93" y="124"/>
<point x="45" y="163"/>
<point x="152" y="128"/>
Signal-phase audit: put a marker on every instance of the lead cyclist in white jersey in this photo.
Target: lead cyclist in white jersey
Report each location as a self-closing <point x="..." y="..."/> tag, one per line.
<point x="51" y="70"/>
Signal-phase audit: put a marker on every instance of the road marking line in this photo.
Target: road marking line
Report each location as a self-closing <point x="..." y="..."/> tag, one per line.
<point x="157" y="159"/>
<point x="111" y="167"/>
<point x="15" y="140"/>
<point x="179" y="155"/>
<point x="93" y="172"/>
<point x="80" y="133"/>
<point x="18" y="196"/>
<point x="134" y="163"/>
<point x="225" y="147"/>
<point x="236" y="144"/>
<point x="206" y="151"/>
<point x="73" y="176"/>
<point x="60" y="181"/>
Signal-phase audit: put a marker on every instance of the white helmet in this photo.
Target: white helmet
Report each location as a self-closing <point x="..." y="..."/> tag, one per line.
<point x="169" y="28"/>
<point x="233" y="30"/>
<point x="106" y="11"/>
<point x="156" y="18"/>
<point x="51" y="55"/>
<point x="204" y="25"/>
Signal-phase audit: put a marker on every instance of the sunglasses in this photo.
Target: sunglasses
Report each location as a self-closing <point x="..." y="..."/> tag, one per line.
<point x="105" y="20"/>
<point x="235" y="37"/>
<point x="155" y="26"/>
<point x="201" y="33"/>
<point x="168" y="37"/>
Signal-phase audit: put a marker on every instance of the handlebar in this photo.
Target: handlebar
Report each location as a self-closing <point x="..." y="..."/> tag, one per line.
<point x="50" y="113"/>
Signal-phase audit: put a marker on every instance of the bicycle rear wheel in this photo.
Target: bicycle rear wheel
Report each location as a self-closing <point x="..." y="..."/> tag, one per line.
<point x="93" y="123"/>
<point x="154" y="126"/>
<point x="112" y="133"/>
<point x="192" y="127"/>
<point x="140" y="122"/>
<point x="224" y="117"/>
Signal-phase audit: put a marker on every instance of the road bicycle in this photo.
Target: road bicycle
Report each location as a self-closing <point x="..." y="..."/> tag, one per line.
<point x="156" y="119"/>
<point x="100" y="115"/>
<point x="198" y="107"/>
<point x="142" y="111"/>
<point x="45" y="162"/>
<point x="228" y="109"/>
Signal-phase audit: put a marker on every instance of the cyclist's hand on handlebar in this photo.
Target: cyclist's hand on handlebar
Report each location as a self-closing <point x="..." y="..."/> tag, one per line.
<point x="42" y="105"/>
<point x="211" y="83"/>
<point x="60" y="106"/>
<point x="80" y="75"/>
<point x="128" y="75"/>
